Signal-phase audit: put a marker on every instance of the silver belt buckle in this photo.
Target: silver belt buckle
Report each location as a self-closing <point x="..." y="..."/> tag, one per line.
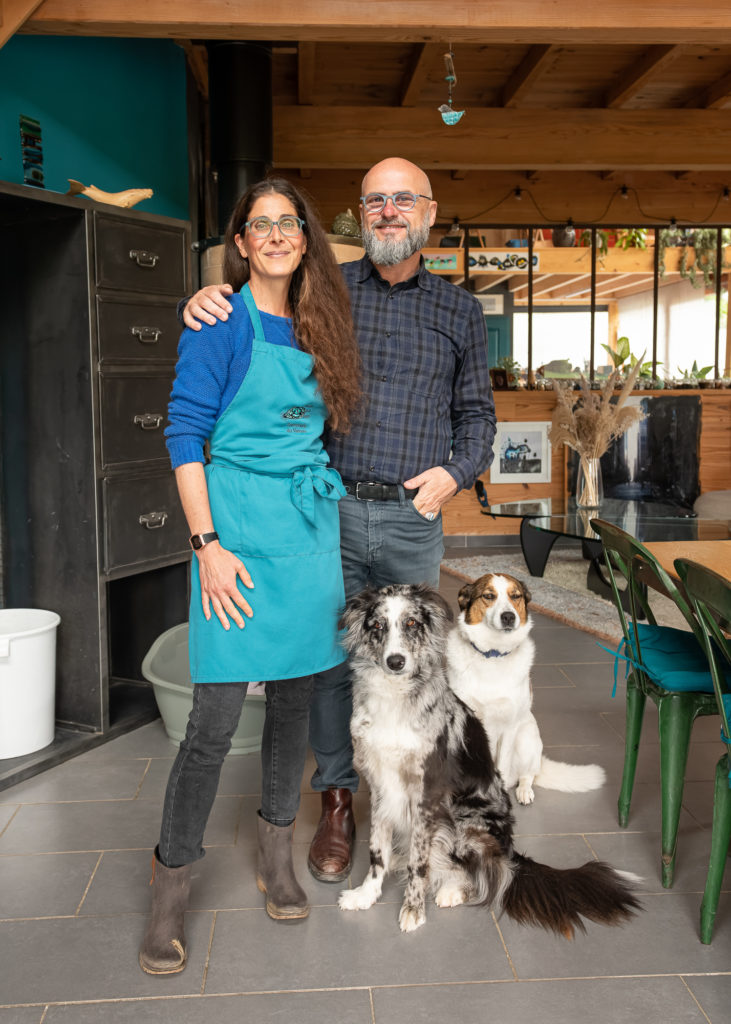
<point x="357" y="492"/>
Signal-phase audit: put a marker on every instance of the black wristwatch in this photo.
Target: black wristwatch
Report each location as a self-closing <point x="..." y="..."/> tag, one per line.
<point x="199" y="540"/>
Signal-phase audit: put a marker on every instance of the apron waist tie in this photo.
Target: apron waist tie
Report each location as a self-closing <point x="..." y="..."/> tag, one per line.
<point x="305" y="482"/>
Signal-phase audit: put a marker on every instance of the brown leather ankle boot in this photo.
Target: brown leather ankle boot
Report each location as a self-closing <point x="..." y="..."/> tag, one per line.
<point x="331" y="850"/>
<point x="163" y="947"/>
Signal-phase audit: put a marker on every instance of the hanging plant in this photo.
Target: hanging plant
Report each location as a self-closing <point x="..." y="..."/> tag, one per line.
<point x="702" y="270"/>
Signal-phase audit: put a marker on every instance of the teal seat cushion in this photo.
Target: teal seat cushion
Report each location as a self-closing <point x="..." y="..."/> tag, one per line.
<point x="673" y="658"/>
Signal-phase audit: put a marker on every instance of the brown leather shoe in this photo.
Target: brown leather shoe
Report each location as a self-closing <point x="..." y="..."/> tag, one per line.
<point x="331" y="850"/>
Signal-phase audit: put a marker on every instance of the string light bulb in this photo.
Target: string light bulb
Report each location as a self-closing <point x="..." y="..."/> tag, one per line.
<point x="518" y="193"/>
<point x="624" y="192"/>
<point x="725" y="194"/>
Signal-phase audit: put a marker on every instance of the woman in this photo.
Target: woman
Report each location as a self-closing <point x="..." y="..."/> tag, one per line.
<point x="263" y="516"/>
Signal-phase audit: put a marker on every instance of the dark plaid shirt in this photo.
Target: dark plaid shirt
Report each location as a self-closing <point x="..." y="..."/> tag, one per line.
<point x="423" y="346"/>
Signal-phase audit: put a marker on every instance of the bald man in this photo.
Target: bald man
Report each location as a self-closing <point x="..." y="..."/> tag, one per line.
<point x="426" y="431"/>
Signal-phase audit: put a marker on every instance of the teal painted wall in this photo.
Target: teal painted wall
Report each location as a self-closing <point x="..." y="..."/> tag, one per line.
<point x="112" y="113"/>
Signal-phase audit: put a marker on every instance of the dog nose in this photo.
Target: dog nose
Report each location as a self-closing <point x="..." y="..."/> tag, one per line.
<point x="507" y="619"/>
<point x="395" y="662"/>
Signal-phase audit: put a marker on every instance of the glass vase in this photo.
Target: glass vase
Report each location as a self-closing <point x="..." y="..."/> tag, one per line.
<point x="589" y="487"/>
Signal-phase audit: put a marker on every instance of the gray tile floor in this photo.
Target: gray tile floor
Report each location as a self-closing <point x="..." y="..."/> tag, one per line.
<point x="75" y="846"/>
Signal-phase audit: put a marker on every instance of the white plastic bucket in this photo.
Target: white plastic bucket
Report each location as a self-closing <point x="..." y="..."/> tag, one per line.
<point x="27" y="680"/>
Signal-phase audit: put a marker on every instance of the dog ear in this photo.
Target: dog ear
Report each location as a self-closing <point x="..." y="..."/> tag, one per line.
<point x="438" y="605"/>
<point x="465" y="596"/>
<point x="527" y="596"/>
<point x="356" y="607"/>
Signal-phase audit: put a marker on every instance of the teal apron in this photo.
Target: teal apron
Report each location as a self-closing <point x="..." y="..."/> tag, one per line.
<point x="274" y="501"/>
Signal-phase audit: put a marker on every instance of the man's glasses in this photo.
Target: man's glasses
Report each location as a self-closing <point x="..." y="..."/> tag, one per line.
<point x="374" y="202"/>
<point x="261" y="227"/>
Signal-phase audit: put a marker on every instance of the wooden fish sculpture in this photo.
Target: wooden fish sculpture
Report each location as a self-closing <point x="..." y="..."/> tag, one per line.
<point x="130" y="196"/>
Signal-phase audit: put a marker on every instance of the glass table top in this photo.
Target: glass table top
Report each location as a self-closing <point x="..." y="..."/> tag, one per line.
<point x="647" y="521"/>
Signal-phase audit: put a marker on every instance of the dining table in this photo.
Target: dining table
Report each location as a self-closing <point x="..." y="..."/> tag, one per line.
<point x="713" y="554"/>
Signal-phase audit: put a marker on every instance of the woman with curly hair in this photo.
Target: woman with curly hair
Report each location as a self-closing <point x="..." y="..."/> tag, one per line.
<point x="266" y="581"/>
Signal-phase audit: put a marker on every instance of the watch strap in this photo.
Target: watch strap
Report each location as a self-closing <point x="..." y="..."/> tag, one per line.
<point x="199" y="540"/>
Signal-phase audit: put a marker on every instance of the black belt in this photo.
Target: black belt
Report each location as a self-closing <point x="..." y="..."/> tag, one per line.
<point x="366" y="490"/>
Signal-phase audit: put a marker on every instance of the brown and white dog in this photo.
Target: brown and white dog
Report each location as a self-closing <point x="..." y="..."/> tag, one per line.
<point x="489" y="655"/>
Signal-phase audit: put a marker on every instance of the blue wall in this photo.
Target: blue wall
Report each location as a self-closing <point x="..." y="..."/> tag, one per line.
<point x="112" y="113"/>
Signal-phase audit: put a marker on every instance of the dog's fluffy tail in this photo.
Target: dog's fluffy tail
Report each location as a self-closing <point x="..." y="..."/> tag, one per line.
<point x="570" y="778"/>
<point x="559" y="899"/>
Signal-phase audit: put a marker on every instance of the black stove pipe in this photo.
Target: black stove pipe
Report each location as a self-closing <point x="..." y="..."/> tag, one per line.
<point x="240" y="104"/>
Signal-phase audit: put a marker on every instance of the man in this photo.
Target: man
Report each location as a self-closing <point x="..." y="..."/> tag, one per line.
<point x="426" y="431"/>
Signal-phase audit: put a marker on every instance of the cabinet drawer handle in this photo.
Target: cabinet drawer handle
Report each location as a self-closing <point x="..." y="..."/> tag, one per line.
<point x="147" y="335"/>
<point x="148" y="420"/>
<point x="143" y="258"/>
<point x="153" y="520"/>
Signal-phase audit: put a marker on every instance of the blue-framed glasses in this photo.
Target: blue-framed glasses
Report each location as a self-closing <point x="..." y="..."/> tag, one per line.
<point x="374" y="202"/>
<point x="261" y="227"/>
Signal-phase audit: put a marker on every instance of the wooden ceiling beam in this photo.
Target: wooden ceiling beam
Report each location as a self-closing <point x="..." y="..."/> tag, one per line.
<point x="423" y="58"/>
<point x="468" y="21"/>
<point x="629" y="85"/>
<point x="500" y="139"/>
<point x="306" y="73"/>
<point x="13" y="15"/>
<point x="534" y="64"/>
<point x="719" y="94"/>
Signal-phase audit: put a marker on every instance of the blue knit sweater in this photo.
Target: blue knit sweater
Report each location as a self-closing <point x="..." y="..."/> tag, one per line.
<point x="212" y="364"/>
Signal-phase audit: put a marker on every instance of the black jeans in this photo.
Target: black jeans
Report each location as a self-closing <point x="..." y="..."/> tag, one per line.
<point x="194" y="777"/>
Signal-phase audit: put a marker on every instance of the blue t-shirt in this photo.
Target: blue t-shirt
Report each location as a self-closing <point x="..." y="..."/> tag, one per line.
<point x="212" y="364"/>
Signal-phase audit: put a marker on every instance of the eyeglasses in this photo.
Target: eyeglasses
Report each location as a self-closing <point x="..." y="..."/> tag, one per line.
<point x="261" y="227"/>
<point x="374" y="202"/>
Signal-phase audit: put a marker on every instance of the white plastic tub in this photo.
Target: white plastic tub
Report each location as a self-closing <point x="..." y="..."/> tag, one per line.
<point x="166" y="666"/>
<point x="27" y="680"/>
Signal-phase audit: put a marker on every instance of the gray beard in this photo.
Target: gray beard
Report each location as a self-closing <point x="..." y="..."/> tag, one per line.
<point x="389" y="251"/>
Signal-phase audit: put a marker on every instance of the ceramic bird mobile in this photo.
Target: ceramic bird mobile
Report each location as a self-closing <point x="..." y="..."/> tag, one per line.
<point x="129" y="197"/>
<point x="450" y="116"/>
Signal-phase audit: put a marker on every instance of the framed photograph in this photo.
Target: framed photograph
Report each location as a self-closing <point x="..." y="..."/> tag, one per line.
<point x="499" y="379"/>
<point x="522" y="454"/>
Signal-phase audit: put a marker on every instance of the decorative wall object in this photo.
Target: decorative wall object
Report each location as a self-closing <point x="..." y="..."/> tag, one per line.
<point x="522" y="453"/>
<point x="31" y="150"/>
<point x="126" y="199"/>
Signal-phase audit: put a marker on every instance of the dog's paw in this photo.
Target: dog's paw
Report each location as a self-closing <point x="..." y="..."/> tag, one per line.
<point x="450" y="896"/>
<point x="411" y="918"/>
<point x="356" y="899"/>
<point x="524" y="793"/>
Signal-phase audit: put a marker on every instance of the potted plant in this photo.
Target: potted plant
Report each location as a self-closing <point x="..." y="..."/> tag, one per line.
<point x="632" y="238"/>
<point x="695" y="377"/>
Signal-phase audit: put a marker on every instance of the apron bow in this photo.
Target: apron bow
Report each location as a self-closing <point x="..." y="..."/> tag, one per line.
<point x="305" y="482"/>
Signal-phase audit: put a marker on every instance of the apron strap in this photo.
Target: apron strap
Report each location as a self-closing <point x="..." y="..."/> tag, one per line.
<point x="253" y="312"/>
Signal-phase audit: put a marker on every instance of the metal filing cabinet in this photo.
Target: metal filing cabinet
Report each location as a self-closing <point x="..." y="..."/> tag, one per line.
<point x="90" y="521"/>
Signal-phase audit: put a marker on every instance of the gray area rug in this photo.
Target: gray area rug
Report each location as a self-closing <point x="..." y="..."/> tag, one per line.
<point x="562" y="593"/>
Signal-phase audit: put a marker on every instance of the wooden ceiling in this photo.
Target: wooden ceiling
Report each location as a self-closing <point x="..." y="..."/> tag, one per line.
<point x="566" y="101"/>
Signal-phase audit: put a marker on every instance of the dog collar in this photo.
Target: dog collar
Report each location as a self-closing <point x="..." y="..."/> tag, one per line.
<point x="490" y="654"/>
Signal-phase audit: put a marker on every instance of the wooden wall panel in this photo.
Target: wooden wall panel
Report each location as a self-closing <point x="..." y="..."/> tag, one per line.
<point x="463" y="515"/>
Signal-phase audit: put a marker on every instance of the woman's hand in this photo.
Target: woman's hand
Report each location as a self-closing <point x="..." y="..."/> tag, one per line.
<point x="219" y="570"/>
<point x="208" y="305"/>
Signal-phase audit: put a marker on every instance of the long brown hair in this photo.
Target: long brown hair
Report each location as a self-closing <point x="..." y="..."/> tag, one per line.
<point x="318" y="298"/>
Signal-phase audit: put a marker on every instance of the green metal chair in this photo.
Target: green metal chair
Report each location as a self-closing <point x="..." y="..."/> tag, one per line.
<point x="666" y="664"/>
<point x="710" y="595"/>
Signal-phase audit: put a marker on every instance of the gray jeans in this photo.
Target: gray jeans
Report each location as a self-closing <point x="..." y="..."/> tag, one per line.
<point x="194" y="777"/>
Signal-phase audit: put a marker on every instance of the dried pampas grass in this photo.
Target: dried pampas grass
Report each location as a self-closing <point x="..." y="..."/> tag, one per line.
<point x="588" y="421"/>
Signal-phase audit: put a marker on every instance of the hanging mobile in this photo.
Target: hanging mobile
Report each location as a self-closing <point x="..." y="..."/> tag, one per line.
<point x="450" y="116"/>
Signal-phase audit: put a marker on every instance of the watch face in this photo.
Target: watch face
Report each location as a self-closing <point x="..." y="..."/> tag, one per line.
<point x="196" y="542"/>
